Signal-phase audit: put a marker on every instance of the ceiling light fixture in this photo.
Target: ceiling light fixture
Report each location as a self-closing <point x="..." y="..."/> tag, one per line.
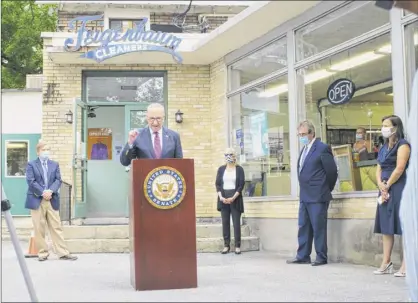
<point x="338" y="67"/>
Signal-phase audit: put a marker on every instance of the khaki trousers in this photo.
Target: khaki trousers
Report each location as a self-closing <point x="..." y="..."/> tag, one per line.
<point x="45" y="214"/>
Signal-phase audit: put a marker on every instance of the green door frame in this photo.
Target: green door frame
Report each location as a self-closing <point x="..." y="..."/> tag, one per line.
<point x="80" y="160"/>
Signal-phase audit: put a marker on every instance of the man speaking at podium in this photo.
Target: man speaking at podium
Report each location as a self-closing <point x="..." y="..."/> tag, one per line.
<point x="154" y="141"/>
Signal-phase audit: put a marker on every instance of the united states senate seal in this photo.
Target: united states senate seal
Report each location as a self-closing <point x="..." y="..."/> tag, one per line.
<point x="164" y="187"/>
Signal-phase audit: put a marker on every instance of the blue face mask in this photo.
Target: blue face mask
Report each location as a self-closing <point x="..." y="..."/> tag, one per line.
<point x="304" y="140"/>
<point x="44" y="155"/>
<point x="359" y="136"/>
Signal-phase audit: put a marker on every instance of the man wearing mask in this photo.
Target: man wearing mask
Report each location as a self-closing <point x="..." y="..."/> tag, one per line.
<point x="317" y="177"/>
<point x="362" y="144"/>
<point x="44" y="180"/>
<point x="154" y="141"/>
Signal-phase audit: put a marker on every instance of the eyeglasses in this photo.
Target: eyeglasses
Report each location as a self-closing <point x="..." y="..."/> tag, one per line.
<point x="226" y="155"/>
<point x="158" y="119"/>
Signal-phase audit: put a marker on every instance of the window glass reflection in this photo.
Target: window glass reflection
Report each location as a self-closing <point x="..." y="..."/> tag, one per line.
<point x="125" y="89"/>
<point x="260" y="135"/>
<point x="346" y="23"/>
<point x="267" y="60"/>
<point x="123" y="25"/>
<point x="138" y="119"/>
<point x="352" y="129"/>
<point x="17" y="153"/>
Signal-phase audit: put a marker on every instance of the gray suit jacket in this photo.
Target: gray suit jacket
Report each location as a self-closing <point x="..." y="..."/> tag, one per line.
<point x="143" y="148"/>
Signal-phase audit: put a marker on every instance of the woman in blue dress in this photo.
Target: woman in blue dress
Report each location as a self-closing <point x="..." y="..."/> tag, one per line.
<point x="392" y="161"/>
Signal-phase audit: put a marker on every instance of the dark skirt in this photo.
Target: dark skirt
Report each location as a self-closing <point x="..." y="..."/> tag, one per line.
<point x="387" y="220"/>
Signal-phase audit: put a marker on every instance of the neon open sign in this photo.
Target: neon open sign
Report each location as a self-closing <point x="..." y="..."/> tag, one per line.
<point x="341" y="91"/>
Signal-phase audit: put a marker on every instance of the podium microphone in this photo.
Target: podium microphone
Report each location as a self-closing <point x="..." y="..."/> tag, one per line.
<point x="5" y="209"/>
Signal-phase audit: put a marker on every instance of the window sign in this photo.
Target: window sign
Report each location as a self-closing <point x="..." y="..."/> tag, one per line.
<point x="17" y="157"/>
<point x="115" y="42"/>
<point x="341" y="91"/>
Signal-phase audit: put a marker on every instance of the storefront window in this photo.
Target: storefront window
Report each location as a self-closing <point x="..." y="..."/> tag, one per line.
<point x="346" y="23"/>
<point x="411" y="55"/>
<point x="125" y="89"/>
<point x="368" y="66"/>
<point x="17" y="157"/>
<point x="124" y="24"/>
<point x="267" y="60"/>
<point x="260" y="136"/>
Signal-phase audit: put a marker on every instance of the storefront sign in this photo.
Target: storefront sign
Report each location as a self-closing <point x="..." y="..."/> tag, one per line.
<point x="114" y="42"/>
<point x="341" y="91"/>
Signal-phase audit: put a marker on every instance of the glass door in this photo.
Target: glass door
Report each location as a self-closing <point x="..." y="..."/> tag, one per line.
<point x="80" y="158"/>
<point x="135" y="117"/>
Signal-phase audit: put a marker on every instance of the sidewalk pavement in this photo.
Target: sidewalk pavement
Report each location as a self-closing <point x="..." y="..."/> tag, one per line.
<point x="250" y="277"/>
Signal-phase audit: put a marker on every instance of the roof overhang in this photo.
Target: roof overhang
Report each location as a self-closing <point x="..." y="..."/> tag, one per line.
<point x="199" y="49"/>
<point x="198" y="7"/>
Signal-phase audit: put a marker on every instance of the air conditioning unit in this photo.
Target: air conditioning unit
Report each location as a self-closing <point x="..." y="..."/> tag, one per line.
<point x="34" y="81"/>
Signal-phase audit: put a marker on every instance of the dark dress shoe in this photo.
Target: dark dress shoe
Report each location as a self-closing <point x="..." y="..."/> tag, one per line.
<point x="319" y="263"/>
<point x="297" y="261"/>
<point x="226" y="250"/>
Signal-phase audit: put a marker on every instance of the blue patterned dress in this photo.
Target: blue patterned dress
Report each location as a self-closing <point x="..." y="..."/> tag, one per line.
<point x="387" y="220"/>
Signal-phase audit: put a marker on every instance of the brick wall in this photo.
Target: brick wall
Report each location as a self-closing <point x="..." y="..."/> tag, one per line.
<point x="199" y="91"/>
<point x="341" y="208"/>
<point x="155" y="18"/>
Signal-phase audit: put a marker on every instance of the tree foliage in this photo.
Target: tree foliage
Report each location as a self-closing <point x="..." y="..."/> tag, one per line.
<point x="21" y="44"/>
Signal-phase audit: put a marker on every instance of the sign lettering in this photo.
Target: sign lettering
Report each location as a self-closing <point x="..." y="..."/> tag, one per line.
<point x="341" y="91"/>
<point x="114" y="42"/>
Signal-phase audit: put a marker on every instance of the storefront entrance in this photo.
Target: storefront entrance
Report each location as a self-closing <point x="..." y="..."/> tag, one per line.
<point x="101" y="183"/>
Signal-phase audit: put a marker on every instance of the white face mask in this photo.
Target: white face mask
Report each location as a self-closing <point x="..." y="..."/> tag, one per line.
<point x="44" y="155"/>
<point x="387" y="132"/>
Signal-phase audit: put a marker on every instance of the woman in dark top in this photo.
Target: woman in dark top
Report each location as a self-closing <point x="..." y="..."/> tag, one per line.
<point x="230" y="181"/>
<point x="392" y="161"/>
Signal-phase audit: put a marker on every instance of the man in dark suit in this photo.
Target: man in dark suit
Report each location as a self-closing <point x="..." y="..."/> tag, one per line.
<point x="44" y="181"/>
<point x="317" y="178"/>
<point x="154" y="141"/>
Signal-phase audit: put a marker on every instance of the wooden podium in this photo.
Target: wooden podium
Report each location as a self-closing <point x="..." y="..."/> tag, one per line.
<point x="162" y="225"/>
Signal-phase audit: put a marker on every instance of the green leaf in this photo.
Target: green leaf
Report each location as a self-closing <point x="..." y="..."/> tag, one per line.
<point x="21" y="44"/>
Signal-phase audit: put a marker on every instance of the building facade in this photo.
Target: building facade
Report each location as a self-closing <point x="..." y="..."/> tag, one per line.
<point x="21" y="129"/>
<point x="244" y="82"/>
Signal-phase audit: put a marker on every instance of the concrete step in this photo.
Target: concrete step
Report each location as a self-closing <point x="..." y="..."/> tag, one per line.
<point x="114" y="238"/>
<point x="248" y="243"/>
<point x="117" y="231"/>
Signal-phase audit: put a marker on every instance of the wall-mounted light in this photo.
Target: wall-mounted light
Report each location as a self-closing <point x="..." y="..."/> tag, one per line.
<point x="179" y="116"/>
<point x="69" y="117"/>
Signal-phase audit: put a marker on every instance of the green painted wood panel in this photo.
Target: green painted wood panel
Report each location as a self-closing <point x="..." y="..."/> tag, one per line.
<point x="16" y="187"/>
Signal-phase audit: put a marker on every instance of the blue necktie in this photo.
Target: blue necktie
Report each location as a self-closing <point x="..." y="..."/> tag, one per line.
<point x="45" y="169"/>
<point x="305" y="152"/>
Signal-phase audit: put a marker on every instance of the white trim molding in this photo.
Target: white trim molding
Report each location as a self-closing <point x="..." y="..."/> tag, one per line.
<point x="400" y="95"/>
